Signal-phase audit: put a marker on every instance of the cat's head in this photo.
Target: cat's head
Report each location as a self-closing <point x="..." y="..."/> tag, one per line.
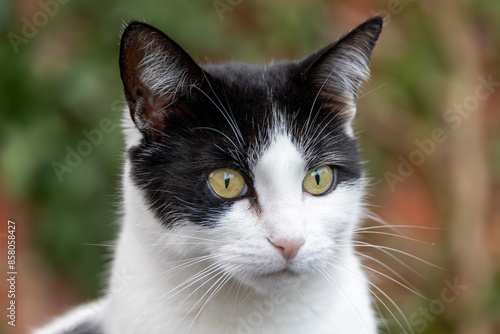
<point x="254" y="168"/>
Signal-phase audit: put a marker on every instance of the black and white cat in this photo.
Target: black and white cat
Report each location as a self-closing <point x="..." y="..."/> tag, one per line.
<point x="242" y="190"/>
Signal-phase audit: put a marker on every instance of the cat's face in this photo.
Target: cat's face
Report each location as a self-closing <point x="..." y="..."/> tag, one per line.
<point x="252" y="169"/>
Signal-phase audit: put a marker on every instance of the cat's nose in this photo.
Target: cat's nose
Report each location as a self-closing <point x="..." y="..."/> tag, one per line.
<point x="288" y="247"/>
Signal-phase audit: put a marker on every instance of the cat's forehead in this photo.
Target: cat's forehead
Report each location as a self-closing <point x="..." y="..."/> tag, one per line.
<point x="237" y="74"/>
<point x="245" y="108"/>
<point x="254" y="87"/>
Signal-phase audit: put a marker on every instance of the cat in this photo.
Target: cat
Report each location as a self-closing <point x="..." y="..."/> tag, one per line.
<point x="242" y="190"/>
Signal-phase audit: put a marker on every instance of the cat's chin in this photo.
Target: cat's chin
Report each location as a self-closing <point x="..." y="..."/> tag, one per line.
<point x="281" y="281"/>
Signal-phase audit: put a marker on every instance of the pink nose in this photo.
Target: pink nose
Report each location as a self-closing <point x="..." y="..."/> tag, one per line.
<point x="288" y="247"/>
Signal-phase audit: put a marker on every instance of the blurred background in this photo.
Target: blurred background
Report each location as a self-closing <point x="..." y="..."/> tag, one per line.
<point x="428" y="122"/>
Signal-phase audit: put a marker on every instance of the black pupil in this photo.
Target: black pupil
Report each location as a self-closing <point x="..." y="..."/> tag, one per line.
<point x="227" y="179"/>
<point x="317" y="177"/>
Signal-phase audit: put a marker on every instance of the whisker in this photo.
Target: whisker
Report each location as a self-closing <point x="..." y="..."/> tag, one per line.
<point x="401" y="226"/>
<point x="330" y="278"/>
<point x="218" y="131"/>
<point x="306" y="124"/>
<point x="388" y="268"/>
<point x="224" y="114"/>
<point x="338" y="265"/>
<point x="224" y="279"/>
<point x="397" y="282"/>
<point x="98" y="245"/>
<point x="193" y="280"/>
<point x="393" y="235"/>
<point x="238" y="291"/>
<point x="365" y="244"/>
<point x="381" y="317"/>
<point x="371" y="91"/>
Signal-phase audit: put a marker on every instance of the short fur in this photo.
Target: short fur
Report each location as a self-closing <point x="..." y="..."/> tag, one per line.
<point x="189" y="261"/>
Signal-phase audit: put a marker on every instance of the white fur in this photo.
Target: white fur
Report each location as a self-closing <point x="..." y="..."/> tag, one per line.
<point x="344" y="71"/>
<point x="156" y="294"/>
<point x="160" y="72"/>
<point x="347" y="68"/>
<point x="89" y="312"/>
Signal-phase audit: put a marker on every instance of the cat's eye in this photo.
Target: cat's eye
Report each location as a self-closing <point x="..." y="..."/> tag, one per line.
<point x="319" y="180"/>
<point x="227" y="183"/>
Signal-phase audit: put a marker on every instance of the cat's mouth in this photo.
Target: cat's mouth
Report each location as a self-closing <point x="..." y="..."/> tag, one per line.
<point x="285" y="272"/>
<point x="277" y="280"/>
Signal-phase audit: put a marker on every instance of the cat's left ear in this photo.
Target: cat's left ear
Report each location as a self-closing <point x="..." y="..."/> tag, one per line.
<point x="338" y="70"/>
<point x="156" y="73"/>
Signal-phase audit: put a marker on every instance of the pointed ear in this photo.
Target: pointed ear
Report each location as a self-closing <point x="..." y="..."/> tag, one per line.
<point x="339" y="69"/>
<point x="156" y="72"/>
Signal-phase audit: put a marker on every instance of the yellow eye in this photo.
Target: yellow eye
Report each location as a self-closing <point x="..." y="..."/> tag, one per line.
<point x="227" y="183"/>
<point x="319" y="180"/>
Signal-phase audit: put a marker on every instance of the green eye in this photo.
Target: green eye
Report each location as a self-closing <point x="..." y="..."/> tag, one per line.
<point x="319" y="180"/>
<point x="227" y="183"/>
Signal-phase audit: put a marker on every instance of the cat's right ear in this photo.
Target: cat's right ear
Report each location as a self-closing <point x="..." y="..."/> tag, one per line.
<point x="339" y="69"/>
<point x="155" y="72"/>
